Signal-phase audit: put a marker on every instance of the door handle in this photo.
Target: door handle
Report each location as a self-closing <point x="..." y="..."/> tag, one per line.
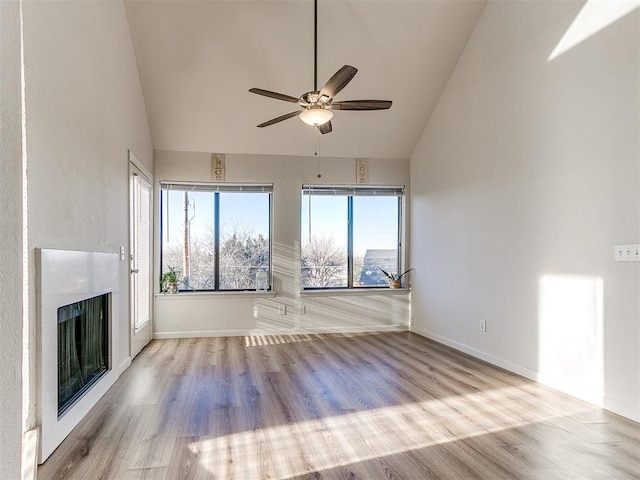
<point x="134" y="270"/>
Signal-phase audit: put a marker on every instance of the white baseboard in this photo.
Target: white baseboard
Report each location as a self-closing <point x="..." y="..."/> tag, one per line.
<point x="124" y="365"/>
<point x="623" y="409"/>
<point x="30" y="454"/>
<point x="628" y="411"/>
<point x="200" y="333"/>
<point x="365" y="329"/>
<point x="288" y="331"/>
<point x="492" y="359"/>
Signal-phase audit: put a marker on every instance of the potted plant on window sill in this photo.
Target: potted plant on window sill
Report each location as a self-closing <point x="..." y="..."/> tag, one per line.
<point x="395" y="281"/>
<point x="169" y="281"/>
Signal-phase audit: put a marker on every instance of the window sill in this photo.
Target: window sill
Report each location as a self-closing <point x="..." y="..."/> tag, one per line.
<point x="337" y="292"/>
<point x="203" y="295"/>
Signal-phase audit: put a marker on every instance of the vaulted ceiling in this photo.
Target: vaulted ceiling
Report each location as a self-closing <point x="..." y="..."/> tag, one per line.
<point x="198" y="59"/>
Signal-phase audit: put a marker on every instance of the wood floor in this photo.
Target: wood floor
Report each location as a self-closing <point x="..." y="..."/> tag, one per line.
<point x="368" y="406"/>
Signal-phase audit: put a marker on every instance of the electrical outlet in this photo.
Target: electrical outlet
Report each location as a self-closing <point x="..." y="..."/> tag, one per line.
<point x="483" y="325"/>
<point x="627" y="253"/>
<point x="282" y="309"/>
<point x="412" y="321"/>
<point x="302" y="309"/>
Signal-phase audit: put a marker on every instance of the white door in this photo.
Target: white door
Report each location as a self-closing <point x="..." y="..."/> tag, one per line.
<point x="141" y="200"/>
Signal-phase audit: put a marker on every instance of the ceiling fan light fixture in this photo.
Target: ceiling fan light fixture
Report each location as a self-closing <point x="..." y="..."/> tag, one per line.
<point x="316" y="115"/>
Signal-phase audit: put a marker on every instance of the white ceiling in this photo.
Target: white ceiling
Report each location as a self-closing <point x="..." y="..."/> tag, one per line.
<point x="198" y="59"/>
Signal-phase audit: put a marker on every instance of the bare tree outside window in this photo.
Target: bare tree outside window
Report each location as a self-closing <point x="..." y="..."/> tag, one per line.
<point x="324" y="264"/>
<point x="242" y="256"/>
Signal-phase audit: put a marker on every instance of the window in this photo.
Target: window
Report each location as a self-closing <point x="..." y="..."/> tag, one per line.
<point x="216" y="236"/>
<point x="349" y="234"/>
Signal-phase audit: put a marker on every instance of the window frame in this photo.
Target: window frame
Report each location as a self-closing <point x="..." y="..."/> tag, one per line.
<point x="350" y="192"/>
<point x="216" y="189"/>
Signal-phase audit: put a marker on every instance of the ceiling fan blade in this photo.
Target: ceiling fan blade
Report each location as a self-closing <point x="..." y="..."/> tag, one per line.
<point x="338" y="81"/>
<point x="362" y="105"/>
<point x="325" y="127"/>
<point x="276" y="95"/>
<point x="280" y="118"/>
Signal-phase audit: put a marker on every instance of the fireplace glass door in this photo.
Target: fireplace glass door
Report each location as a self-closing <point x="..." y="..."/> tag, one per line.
<point x="83" y="347"/>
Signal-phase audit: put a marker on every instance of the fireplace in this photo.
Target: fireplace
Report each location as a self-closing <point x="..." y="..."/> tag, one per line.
<point x="78" y="322"/>
<point x="83" y="349"/>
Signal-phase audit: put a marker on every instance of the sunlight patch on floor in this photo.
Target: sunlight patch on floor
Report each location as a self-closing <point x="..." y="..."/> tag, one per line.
<point x="300" y="448"/>
<point x="263" y="340"/>
<point x="259" y="340"/>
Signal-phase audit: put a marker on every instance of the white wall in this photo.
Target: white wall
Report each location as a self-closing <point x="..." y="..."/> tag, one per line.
<point x="84" y="111"/>
<point x="236" y="314"/>
<point x="525" y="178"/>
<point x="10" y="241"/>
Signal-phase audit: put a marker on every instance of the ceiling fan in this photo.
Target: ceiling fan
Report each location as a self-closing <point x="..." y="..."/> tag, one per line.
<point x="318" y="105"/>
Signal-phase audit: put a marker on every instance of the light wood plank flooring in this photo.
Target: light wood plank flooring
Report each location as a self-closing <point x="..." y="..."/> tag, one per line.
<point x="366" y="406"/>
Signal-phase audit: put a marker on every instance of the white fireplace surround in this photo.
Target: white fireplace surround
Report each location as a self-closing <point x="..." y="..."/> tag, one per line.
<point x="67" y="277"/>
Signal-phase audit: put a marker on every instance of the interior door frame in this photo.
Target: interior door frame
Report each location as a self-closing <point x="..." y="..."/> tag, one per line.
<point x="139" y="339"/>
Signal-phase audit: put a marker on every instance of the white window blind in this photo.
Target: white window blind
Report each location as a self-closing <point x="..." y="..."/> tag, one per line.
<point x="353" y="191"/>
<point x="216" y="187"/>
<point x="142" y="252"/>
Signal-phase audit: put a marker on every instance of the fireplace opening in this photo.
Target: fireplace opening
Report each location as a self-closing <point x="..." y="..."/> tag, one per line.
<point x="83" y="348"/>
